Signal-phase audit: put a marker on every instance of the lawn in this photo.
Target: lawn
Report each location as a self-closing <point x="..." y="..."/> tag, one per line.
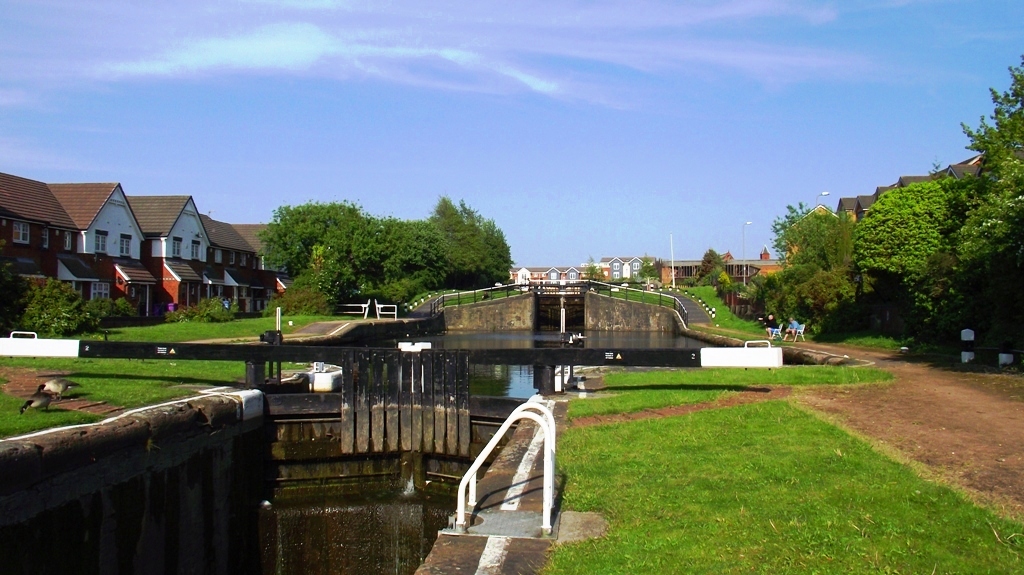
<point x="127" y="383"/>
<point x="197" y="331"/>
<point x="650" y="389"/>
<point x="765" y="488"/>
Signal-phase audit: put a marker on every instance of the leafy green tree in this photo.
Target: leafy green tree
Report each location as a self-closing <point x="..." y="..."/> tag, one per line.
<point x="711" y="264"/>
<point x="593" y="270"/>
<point x="12" y="304"/>
<point x="648" y="271"/>
<point x="1002" y="141"/>
<point x="299" y="301"/>
<point x="783" y="224"/>
<point x="55" y="309"/>
<point x="478" y="254"/>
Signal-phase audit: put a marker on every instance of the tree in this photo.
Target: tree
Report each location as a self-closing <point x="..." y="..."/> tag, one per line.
<point x="56" y="309"/>
<point x="782" y="224"/>
<point x="12" y="304"/>
<point x="593" y="271"/>
<point x="1003" y="140"/>
<point x="478" y="254"/>
<point x="710" y="266"/>
<point x="648" y="271"/>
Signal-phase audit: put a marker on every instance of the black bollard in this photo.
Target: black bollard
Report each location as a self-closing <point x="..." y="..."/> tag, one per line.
<point x="544" y="379"/>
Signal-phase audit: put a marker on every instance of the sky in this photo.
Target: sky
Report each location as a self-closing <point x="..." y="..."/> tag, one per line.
<point x="582" y="128"/>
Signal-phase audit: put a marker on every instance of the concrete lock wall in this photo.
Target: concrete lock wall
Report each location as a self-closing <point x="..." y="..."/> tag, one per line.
<point x="612" y="314"/>
<point x="511" y="313"/>
<point x="173" y="489"/>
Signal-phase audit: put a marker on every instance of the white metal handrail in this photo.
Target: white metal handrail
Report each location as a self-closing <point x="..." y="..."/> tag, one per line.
<point x="547" y="424"/>
<point x="768" y="342"/>
<point x="385" y="310"/>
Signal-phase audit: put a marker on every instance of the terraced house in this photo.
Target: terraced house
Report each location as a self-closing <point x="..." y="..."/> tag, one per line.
<point x="158" y="252"/>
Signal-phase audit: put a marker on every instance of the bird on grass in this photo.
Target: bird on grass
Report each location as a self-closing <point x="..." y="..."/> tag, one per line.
<point x="59" y="385"/>
<point x="39" y="399"/>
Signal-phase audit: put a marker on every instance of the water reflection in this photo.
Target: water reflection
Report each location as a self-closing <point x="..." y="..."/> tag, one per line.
<point x="374" y="533"/>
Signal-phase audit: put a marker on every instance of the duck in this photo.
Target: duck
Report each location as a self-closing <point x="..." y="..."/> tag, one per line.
<point x="39" y="399"/>
<point x="58" y="386"/>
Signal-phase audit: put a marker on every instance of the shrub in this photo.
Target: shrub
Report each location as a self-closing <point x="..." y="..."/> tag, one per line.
<point x="104" y="307"/>
<point x="12" y="304"/>
<point x="299" y="301"/>
<point x="56" y="309"/>
<point x="210" y="310"/>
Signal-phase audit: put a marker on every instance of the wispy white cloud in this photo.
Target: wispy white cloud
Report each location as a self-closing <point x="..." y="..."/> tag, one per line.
<point x="543" y="46"/>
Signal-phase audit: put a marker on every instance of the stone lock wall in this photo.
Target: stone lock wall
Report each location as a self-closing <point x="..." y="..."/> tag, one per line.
<point x="514" y="313"/>
<point x="173" y="489"/>
<point x="604" y="313"/>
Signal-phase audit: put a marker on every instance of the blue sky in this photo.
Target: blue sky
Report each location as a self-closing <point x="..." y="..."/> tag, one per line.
<point x="589" y="128"/>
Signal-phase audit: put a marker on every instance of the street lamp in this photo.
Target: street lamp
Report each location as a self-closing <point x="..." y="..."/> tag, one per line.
<point x="821" y="195"/>
<point x="743" y="252"/>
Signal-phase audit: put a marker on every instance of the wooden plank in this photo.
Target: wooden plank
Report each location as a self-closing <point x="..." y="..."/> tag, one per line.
<point x="362" y="401"/>
<point x="462" y="401"/>
<point x="451" y="368"/>
<point x="440" y="422"/>
<point x="405" y="400"/>
<point x="347" y="432"/>
<point x="416" y="401"/>
<point x="427" y="400"/>
<point x="393" y="429"/>
<point x="284" y="404"/>
<point x="378" y="395"/>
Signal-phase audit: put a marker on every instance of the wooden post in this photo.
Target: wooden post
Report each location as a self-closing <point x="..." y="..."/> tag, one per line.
<point x="347" y="415"/>
<point x="403" y="380"/>
<point x="450" y="406"/>
<point x="440" y="369"/>
<point x="394" y="389"/>
<point x="378" y="395"/>
<point x="416" y="399"/>
<point x="427" y="365"/>
<point x="462" y="402"/>
<point x="361" y="388"/>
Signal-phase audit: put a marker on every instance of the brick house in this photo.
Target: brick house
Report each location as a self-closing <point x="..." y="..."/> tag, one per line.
<point x="34" y="226"/>
<point x="108" y="245"/>
<point x="174" y="248"/>
<point x="274" y="280"/>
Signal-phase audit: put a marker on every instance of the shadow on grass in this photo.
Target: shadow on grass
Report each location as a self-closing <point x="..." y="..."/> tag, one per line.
<point x="153" y="378"/>
<point x="688" y="387"/>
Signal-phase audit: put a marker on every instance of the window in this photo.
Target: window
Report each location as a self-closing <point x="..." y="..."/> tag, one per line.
<point x="100" y="290"/>
<point x="195" y="249"/>
<point x="574" y="276"/>
<point x="67" y="240"/>
<point x="636" y="266"/>
<point x="46" y="238"/>
<point x="552" y="275"/>
<point x="218" y="256"/>
<point x="101" y="242"/>
<point x="242" y="260"/>
<point x="616" y="275"/>
<point x="126" y="245"/>
<point x="20" y="233"/>
<point x="231" y="257"/>
<point x="175" y="247"/>
<point x="615" y="266"/>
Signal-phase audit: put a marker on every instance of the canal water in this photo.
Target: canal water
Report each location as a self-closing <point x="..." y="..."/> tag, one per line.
<point x="391" y="531"/>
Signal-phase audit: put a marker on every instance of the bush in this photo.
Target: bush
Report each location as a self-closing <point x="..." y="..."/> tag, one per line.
<point x="55" y="309"/>
<point x="104" y="307"/>
<point x="299" y="301"/>
<point x="12" y="304"/>
<point x="210" y="310"/>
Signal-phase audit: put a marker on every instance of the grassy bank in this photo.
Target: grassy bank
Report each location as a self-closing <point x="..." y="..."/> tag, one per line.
<point x="638" y="390"/>
<point x="196" y="331"/>
<point x="765" y="488"/>
<point x="122" y="382"/>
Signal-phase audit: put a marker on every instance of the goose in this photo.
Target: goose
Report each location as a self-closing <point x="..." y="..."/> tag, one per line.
<point x="39" y="399"/>
<point x="59" y="386"/>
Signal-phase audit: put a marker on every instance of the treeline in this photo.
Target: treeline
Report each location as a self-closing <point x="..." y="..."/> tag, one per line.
<point x="946" y="254"/>
<point x="338" y="253"/>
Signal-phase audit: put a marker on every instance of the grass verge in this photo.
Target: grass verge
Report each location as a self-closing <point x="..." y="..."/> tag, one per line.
<point x="651" y="389"/>
<point x="197" y="331"/>
<point x="127" y="383"/>
<point x="765" y="488"/>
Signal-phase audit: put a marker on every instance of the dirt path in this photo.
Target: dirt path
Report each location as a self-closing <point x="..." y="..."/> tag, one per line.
<point x="963" y="425"/>
<point x="23" y="382"/>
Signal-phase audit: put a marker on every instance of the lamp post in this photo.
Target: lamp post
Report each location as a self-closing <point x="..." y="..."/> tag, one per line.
<point x="743" y="251"/>
<point x="672" y="254"/>
<point x="821" y="195"/>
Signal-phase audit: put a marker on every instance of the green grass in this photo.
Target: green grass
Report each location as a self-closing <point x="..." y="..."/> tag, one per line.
<point x="723" y="315"/>
<point x="127" y="383"/>
<point x="765" y="488"/>
<point x="194" y="331"/>
<point x="638" y="390"/>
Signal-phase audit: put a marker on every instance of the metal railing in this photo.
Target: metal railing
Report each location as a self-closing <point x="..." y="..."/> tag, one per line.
<point x="547" y="425"/>
<point x="642" y="296"/>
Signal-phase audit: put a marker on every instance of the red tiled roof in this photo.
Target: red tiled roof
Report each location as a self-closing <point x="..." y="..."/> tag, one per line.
<point x="29" y="200"/>
<point x="156" y="214"/>
<point x="251" y="234"/>
<point x="223" y="235"/>
<point x="82" y="201"/>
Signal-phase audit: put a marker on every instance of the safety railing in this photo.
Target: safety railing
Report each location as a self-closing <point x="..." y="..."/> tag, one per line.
<point x="641" y="296"/>
<point x="546" y="421"/>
